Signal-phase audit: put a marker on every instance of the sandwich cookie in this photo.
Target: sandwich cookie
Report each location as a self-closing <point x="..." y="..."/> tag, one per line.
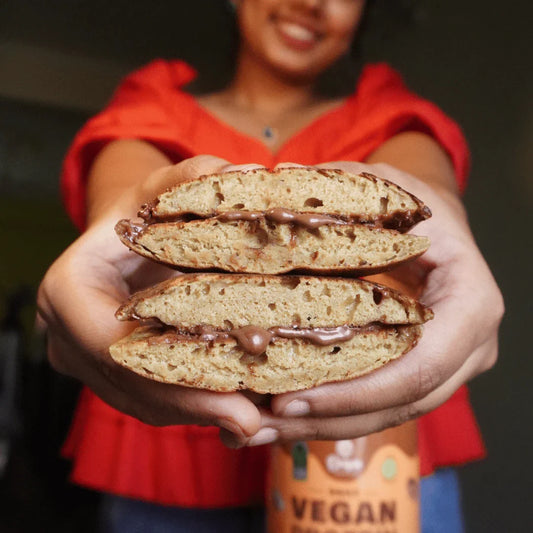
<point x="297" y="219"/>
<point x="270" y="334"/>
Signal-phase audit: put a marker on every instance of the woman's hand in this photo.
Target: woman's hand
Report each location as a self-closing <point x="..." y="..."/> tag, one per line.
<point x="460" y="342"/>
<point x="78" y="299"/>
<point x="84" y="287"/>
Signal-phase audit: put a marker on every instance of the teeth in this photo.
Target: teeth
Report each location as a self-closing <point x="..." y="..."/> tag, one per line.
<point x="296" y="31"/>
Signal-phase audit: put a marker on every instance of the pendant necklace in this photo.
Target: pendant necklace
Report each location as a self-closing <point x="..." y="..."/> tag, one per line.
<point x="269" y="134"/>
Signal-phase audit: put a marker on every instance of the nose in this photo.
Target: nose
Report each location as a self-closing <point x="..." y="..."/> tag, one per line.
<point x="313" y="8"/>
<point x="310" y="4"/>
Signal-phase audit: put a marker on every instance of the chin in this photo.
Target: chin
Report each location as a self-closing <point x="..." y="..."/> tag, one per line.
<point x="297" y="67"/>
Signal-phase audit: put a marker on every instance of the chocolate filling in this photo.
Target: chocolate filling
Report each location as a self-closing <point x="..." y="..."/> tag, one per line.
<point x="281" y="215"/>
<point x="254" y="340"/>
<point x="398" y="220"/>
<point x="129" y="230"/>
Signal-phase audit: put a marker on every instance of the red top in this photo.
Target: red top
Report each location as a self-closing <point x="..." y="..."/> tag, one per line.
<point x="187" y="465"/>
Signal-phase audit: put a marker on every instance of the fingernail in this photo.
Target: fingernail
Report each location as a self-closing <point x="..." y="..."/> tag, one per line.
<point x="263" y="436"/>
<point x="297" y="408"/>
<point x="288" y="164"/>
<point x="242" y="168"/>
<point x="232" y="427"/>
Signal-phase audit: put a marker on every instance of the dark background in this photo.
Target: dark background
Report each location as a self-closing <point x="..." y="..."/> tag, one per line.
<point x="60" y="59"/>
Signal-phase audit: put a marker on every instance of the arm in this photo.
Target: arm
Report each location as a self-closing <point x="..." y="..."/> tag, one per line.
<point x="420" y="156"/>
<point x="452" y="278"/>
<point x="119" y="166"/>
<point x="83" y="288"/>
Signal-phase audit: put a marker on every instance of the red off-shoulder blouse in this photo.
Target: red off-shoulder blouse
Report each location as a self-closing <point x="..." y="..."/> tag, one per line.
<point x="187" y="465"/>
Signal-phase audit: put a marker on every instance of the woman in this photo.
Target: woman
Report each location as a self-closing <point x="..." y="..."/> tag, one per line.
<point x="270" y="113"/>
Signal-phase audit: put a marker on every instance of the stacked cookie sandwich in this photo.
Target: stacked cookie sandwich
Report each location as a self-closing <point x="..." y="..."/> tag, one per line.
<point x="245" y="323"/>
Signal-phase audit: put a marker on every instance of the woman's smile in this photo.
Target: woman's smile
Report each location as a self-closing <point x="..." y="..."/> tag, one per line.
<point x="297" y="35"/>
<point x="297" y="39"/>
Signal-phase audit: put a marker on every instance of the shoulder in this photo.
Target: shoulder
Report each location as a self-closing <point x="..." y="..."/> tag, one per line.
<point x="378" y="80"/>
<point x="382" y="91"/>
<point x="384" y="106"/>
<point x="158" y="76"/>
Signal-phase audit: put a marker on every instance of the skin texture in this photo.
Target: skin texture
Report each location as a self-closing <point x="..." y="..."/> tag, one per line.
<point x="83" y="288"/>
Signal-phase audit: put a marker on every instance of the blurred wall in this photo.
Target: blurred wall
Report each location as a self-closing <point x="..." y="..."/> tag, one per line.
<point x="59" y="60"/>
<point x="474" y="59"/>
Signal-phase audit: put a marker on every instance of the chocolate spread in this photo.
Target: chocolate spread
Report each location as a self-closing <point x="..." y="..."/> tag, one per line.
<point x="129" y="230"/>
<point x="146" y="210"/>
<point x="398" y="220"/>
<point x="254" y="339"/>
<point x="320" y="336"/>
<point x="281" y="215"/>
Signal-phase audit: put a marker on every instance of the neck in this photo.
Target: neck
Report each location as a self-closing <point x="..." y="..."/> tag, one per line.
<point x="256" y="88"/>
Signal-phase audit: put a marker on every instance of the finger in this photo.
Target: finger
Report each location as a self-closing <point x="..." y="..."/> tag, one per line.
<point x="166" y="404"/>
<point x="151" y="402"/>
<point x="242" y="168"/>
<point x="187" y="169"/>
<point x="446" y="343"/>
<point x="99" y="328"/>
<point x="353" y="167"/>
<point x="148" y="274"/>
<point x="288" y="164"/>
<point x="161" y="404"/>
<point x="345" y="427"/>
<point x="264" y="434"/>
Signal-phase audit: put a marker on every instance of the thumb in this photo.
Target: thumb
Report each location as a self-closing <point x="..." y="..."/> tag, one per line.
<point x="186" y="170"/>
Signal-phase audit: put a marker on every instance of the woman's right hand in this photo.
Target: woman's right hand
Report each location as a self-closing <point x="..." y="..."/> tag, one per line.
<point x="78" y="298"/>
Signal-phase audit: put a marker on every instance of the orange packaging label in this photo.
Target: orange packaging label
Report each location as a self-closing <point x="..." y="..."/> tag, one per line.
<point x="365" y="485"/>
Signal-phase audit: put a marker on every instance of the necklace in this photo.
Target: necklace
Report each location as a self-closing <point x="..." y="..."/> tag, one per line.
<point x="269" y="133"/>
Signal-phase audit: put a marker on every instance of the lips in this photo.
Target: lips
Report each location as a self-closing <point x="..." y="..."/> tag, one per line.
<point x="296" y="31"/>
<point x="297" y="35"/>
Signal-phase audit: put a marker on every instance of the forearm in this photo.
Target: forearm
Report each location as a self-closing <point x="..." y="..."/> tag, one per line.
<point x="119" y="166"/>
<point x="422" y="157"/>
<point x="419" y="155"/>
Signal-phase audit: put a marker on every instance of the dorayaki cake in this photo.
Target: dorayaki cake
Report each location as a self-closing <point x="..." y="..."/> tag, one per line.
<point x="292" y="219"/>
<point x="254" y="328"/>
<point x="266" y="333"/>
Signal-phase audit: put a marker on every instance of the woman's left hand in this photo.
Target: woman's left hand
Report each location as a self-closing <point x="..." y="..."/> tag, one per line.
<point x="459" y="343"/>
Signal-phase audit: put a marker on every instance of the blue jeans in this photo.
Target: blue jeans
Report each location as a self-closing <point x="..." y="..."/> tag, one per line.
<point x="440" y="504"/>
